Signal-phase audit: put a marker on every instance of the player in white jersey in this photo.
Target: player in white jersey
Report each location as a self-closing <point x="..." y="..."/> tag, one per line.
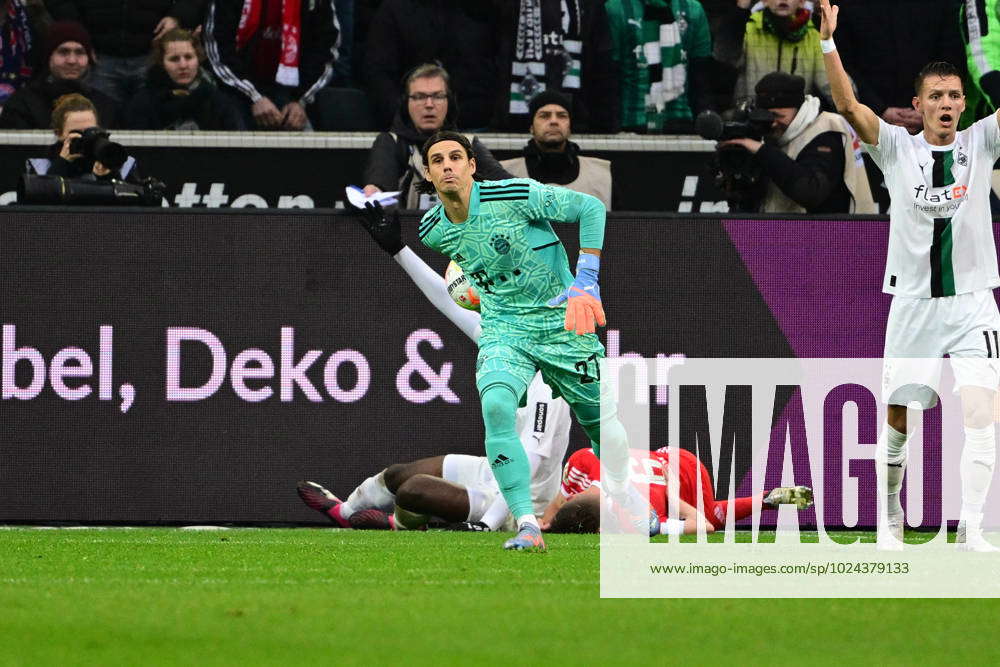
<point x="941" y="270"/>
<point x="454" y="487"/>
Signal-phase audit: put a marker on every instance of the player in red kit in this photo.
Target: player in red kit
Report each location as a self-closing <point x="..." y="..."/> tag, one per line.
<point x="578" y="497"/>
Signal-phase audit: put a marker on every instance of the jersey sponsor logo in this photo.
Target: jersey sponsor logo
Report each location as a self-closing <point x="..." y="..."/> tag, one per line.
<point x="941" y="201"/>
<point x="540" y="412"/>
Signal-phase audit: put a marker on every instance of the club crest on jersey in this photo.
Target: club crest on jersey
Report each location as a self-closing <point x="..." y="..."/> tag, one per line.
<point x="962" y="159"/>
<point x="500" y="243"/>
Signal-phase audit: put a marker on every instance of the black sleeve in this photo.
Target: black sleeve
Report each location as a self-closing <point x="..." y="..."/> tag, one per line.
<point x="729" y="37"/>
<point x="319" y="53"/>
<point x="812" y="177"/>
<point x="600" y="76"/>
<point x="383" y="168"/>
<point x="220" y="44"/>
<point x="487" y="166"/>
<point x="383" y="66"/>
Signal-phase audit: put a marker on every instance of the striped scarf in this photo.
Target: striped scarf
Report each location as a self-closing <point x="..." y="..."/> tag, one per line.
<point x="660" y="39"/>
<point x="546" y="52"/>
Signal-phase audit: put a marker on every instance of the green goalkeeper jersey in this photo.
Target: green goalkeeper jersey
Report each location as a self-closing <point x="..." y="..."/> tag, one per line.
<point x="510" y="253"/>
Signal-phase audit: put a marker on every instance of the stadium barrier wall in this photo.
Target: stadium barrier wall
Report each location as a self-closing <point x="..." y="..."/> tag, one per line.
<point x="191" y="366"/>
<point x="310" y="170"/>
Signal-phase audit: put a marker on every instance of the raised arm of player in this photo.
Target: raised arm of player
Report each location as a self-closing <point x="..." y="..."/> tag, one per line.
<point x="862" y="119"/>
<point x="383" y="227"/>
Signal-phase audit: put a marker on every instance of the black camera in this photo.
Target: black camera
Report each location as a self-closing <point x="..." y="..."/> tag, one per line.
<point x="745" y="121"/>
<point x="94" y="143"/>
<point x="38" y="189"/>
<point x="734" y="169"/>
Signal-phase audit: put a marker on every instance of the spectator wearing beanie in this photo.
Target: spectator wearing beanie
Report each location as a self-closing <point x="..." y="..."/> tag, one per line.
<point x="67" y="59"/>
<point x="123" y="33"/>
<point x="551" y="158"/>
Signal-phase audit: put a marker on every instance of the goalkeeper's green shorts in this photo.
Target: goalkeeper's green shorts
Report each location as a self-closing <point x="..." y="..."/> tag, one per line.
<point x="570" y="364"/>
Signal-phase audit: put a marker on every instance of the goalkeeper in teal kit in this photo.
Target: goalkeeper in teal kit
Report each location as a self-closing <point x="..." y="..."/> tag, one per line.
<point x="535" y="314"/>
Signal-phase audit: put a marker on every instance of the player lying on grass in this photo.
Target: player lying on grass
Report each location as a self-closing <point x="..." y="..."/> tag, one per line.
<point x="455" y="488"/>
<point x="577" y="507"/>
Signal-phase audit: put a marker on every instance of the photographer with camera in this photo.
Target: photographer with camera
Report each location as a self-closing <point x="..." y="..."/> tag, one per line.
<point x="84" y="166"/>
<point x="804" y="161"/>
<point x="82" y="148"/>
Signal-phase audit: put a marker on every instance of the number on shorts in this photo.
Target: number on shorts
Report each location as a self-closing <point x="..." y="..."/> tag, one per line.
<point x="584" y="368"/>
<point x="993" y="351"/>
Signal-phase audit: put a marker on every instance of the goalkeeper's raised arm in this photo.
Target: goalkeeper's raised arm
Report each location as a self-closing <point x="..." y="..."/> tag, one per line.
<point x="862" y="119"/>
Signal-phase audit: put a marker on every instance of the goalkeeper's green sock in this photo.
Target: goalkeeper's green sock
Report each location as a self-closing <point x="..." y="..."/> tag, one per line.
<point x="505" y="453"/>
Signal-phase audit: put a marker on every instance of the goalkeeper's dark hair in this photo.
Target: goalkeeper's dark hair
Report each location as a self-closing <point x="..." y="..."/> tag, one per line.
<point x="938" y="69"/>
<point x="581" y="514"/>
<point x="425" y="186"/>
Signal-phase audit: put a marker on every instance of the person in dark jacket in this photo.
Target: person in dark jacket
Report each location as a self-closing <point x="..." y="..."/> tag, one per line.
<point x="73" y="114"/>
<point x="68" y="57"/>
<point x="571" y="54"/>
<point x="123" y="32"/>
<point x="271" y="62"/>
<point x="394" y="162"/>
<point x="885" y="43"/>
<point x="461" y="36"/>
<point x="179" y="94"/>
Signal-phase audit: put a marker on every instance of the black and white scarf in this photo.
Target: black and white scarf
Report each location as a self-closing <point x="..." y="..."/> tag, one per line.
<point x="546" y="52"/>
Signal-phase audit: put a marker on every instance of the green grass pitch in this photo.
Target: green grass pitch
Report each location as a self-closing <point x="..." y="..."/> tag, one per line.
<point x="286" y="596"/>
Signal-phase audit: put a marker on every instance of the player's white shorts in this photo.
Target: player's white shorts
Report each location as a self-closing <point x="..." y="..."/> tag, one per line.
<point x="920" y="332"/>
<point x="473" y="472"/>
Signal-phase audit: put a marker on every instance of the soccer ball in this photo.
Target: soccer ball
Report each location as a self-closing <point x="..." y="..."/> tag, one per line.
<point x="459" y="288"/>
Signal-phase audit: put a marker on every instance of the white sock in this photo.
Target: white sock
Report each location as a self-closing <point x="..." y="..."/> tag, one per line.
<point x="527" y="518"/>
<point x="496" y="513"/>
<point x="976" y="468"/>
<point x="890" y="461"/>
<point x="370" y="494"/>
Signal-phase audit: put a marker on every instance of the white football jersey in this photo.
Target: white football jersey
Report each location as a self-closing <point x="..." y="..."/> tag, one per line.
<point x="940" y="225"/>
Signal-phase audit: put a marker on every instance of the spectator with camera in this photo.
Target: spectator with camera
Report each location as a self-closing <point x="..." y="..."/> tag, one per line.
<point x="179" y="94"/>
<point x="810" y="160"/>
<point x="123" y="31"/>
<point x="83" y="149"/>
<point x="68" y="57"/>
<point x="663" y="49"/>
<point x="427" y="106"/>
<point x="780" y="37"/>
<point x="551" y="158"/>
<point x="273" y="57"/>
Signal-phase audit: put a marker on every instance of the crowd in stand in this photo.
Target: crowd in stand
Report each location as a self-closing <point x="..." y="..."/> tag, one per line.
<point x="415" y="66"/>
<point x="647" y="66"/>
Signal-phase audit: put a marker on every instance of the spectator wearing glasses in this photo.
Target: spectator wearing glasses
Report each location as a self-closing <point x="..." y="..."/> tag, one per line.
<point x="427" y="106"/>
